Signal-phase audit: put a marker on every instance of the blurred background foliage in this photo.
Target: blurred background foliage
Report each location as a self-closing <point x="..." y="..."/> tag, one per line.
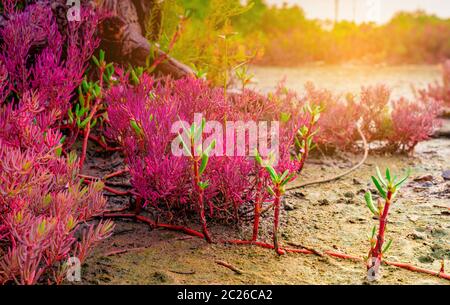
<point x="221" y="35"/>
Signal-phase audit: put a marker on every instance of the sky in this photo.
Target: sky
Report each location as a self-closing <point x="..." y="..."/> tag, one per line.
<point x="367" y="10"/>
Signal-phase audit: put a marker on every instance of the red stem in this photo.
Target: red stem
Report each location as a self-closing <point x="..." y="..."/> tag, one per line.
<point x="87" y="131"/>
<point x="103" y="144"/>
<point x="377" y="251"/>
<point x="154" y="224"/>
<point x="115" y="174"/>
<point x="200" y="193"/>
<point x="258" y="201"/>
<point x="107" y="188"/>
<point x="344" y="256"/>
<point x="276" y="219"/>
<point x="116" y="192"/>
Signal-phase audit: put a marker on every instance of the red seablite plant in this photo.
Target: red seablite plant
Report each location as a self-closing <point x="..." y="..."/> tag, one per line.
<point x="199" y="158"/>
<point x="439" y="92"/>
<point x="42" y="202"/>
<point x="413" y="122"/>
<point x="35" y="57"/>
<point x="393" y="125"/>
<point x="387" y="188"/>
<point x="141" y="118"/>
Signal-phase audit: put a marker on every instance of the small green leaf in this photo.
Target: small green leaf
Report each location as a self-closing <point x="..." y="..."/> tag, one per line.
<point x="284" y="175"/>
<point x="270" y="190"/>
<point x="399" y="184"/>
<point x="134" y="78"/>
<point x="380" y="177"/>
<point x="41" y="227"/>
<point x="204" y="163"/>
<point x="70" y="115"/>
<point x="97" y="90"/>
<point x="288" y="179"/>
<point x="102" y="56"/>
<point x="369" y="203"/>
<point x="258" y="159"/>
<point x="316" y="118"/>
<point x="77" y="110"/>
<point x="84" y="123"/>
<point x="192" y="130"/>
<point x="379" y="188"/>
<point x="58" y="151"/>
<point x="387" y="247"/>
<point x="272" y="173"/>
<point x="285" y="117"/>
<point x="94" y="122"/>
<point x="136" y="128"/>
<point x="303" y="131"/>
<point x="95" y="60"/>
<point x="85" y="85"/>
<point x="374" y="231"/>
<point x="185" y="147"/>
<point x="203" y="185"/>
<point x="388" y="175"/>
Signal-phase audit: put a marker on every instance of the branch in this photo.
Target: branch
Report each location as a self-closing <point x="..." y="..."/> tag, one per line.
<point x="363" y="160"/>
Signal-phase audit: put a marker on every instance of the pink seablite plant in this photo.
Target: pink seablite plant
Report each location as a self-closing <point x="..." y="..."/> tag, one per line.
<point x="395" y="126"/>
<point x="35" y="58"/>
<point x="337" y="123"/>
<point x="42" y="205"/>
<point x="375" y="112"/>
<point x="437" y="91"/>
<point x="387" y="188"/>
<point x="413" y="122"/>
<point x="42" y="201"/>
<point x="216" y="187"/>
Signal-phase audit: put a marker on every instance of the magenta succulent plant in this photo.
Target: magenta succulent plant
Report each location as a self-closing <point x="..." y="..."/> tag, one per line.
<point x="42" y="201"/>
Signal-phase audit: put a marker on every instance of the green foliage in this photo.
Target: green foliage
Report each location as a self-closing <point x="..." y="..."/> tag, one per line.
<point x="89" y="92"/>
<point x="286" y="37"/>
<point x="388" y="184"/>
<point x="209" y="42"/>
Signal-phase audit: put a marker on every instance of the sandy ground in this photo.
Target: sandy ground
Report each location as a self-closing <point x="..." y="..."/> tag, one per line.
<point x="332" y="216"/>
<point x="348" y="78"/>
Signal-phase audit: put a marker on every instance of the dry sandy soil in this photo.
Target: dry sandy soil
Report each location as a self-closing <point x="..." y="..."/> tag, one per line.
<point x="331" y="216"/>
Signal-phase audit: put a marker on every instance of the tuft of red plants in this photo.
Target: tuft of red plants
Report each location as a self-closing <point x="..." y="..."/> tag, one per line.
<point x="43" y="205"/>
<point x="215" y="186"/>
<point x="391" y="125"/>
<point x="440" y="92"/>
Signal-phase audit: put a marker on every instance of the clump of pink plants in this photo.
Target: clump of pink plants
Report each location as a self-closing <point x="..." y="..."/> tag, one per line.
<point x="42" y="205"/>
<point x="413" y="122"/>
<point x="42" y="201"/>
<point x="439" y="91"/>
<point x="217" y="187"/>
<point x="396" y="126"/>
<point x="38" y="59"/>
